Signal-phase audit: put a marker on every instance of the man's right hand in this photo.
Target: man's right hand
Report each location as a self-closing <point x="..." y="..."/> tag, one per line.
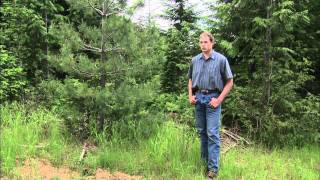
<point x="192" y="100"/>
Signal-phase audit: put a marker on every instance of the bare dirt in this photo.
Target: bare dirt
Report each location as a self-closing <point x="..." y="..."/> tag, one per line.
<point x="43" y="169"/>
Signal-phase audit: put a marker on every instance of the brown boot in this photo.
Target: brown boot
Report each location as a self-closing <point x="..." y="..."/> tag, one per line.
<point x="211" y="175"/>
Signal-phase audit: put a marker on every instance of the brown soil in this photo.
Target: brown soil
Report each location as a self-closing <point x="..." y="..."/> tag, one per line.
<point x="42" y="169"/>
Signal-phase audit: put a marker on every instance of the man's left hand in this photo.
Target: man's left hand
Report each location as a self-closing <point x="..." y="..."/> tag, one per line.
<point x="215" y="102"/>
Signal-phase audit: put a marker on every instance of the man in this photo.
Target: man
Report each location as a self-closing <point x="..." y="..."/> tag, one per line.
<point x="210" y="80"/>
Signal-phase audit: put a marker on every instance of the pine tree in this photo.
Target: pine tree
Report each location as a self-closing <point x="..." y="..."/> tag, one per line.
<point x="24" y="31"/>
<point x="23" y="34"/>
<point x="260" y="37"/>
<point x="307" y="40"/>
<point x="182" y="40"/>
<point x="101" y="53"/>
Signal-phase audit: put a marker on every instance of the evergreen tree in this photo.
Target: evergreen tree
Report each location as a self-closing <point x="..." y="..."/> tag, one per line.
<point x="101" y="53"/>
<point x="24" y="31"/>
<point x="307" y="42"/>
<point x="260" y="37"/>
<point x="182" y="46"/>
<point x="179" y="12"/>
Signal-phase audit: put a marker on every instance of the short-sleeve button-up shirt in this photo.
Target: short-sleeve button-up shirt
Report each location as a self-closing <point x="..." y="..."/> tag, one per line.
<point x="209" y="74"/>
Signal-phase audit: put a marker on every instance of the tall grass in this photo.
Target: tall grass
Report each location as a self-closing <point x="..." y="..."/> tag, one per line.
<point x="152" y="148"/>
<point x="28" y="133"/>
<point x="257" y="163"/>
<point x="173" y="153"/>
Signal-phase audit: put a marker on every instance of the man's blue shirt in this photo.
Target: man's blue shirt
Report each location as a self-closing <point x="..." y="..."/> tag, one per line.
<point x="209" y="74"/>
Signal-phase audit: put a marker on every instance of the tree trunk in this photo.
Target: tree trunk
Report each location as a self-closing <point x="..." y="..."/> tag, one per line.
<point x="47" y="46"/>
<point x="101" y="117"/>
<point x="268" y="60"/>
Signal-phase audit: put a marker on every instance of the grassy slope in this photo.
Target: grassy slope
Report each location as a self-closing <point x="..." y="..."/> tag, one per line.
<point x="170" y="152"/>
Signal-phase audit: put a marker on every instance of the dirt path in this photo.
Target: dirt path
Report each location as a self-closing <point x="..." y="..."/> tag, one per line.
<point x="42" y="169"/>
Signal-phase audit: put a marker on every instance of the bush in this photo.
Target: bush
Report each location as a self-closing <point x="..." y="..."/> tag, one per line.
<point x="289" y="121"/>
<point x="80" y="105"/>
<point x="11" y="76"/>
<point x="176" y="107"/>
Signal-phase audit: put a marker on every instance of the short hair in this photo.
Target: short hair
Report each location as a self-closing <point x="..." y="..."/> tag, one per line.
<point x="205" y="33"/>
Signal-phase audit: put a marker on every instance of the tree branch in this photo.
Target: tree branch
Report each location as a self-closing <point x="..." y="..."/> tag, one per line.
<point x="109" y="14"/>
<point x="118" y="71"/>
<point x="86" y="74"/>
<point x="91" y="48"/>
<point x="113" y="49"/>
<point x="96" y="9"/>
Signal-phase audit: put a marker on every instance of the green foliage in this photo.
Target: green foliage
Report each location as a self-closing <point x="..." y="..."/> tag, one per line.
<point x="26" y="132"/>
<point x="95" y="65"/>
<point x="258" y="163"/>
<point x="152" y="149"/>
<point x="182" y="47"/>
<point x="76" y="103"/>
<point x="172" y="152"/>
<point x="307" y="41"/>
<point x="11" y="76"/>
<point x="294" y="122"/>
<point x="23" y="33"/>
<point x="104" y="75"/>
<point x="180" y="13"/>
<point x="177" y="107"/>
<point x="95" y="90"/>
<point x="270" y="72"/>
<point x="160" y="155"/>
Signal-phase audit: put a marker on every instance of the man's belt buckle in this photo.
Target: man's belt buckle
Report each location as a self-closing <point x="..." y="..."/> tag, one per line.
<point x="209" y="91"/>
<point x="204" y="91"/>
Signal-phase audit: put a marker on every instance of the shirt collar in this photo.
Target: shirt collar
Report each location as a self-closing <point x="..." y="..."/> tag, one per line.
<point x="211" y="57"/>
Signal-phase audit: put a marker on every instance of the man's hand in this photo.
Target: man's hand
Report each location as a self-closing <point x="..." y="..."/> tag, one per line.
<point x="215" y="102"/>
<point x="192" y="100"/>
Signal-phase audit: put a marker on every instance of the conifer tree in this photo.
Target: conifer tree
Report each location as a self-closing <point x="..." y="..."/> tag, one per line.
<point x="260" y="39"/>
<point x="101" y="53"/>
<point x="182" y="45"/>
<point x="24" y="31"/>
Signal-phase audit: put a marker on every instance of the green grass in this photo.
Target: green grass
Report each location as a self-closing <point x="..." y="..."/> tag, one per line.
<point x="29" y="133"/>
<point x="151" y="148"/>
<point x="170" y="153"/>
<point x="257" y="163"/>
<point x="173" y="153"/>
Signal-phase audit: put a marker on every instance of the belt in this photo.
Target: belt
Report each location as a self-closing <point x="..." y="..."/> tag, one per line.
<point x="209" y="91"/>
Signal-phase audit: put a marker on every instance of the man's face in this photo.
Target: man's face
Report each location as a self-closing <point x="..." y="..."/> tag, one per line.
<point x="205" y="44"/>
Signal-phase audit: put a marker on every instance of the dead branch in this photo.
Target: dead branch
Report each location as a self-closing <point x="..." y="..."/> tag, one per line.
<point x="36" y="146"/>
<point x="235" y="136"/>
<point x="114" y="49"/>
<point x="109" y="4"/>
<point x="227" y="148"/>
<point x="99" y="50"/>
<point x="230" y="140"/>
<point x="103" y="13"/>
<point x="109" y="14"/>
<point x="84" y="150"/>
<point x="91" y="48"/>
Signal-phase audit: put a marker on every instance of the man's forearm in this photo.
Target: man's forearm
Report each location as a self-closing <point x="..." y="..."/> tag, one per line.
<point x="227" y="88"/>
<point x="190" y="87"/>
